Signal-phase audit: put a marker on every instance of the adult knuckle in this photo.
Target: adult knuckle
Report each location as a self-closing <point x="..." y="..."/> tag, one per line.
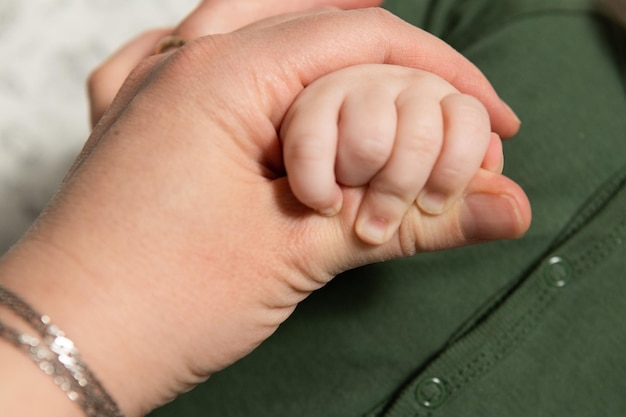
<point x="197" y="56"/>
<point x="380" y="20"/>
<point x="408" y="236"/>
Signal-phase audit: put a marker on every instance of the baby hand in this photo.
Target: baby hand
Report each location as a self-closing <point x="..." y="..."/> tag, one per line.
<point x="405" y="133"/>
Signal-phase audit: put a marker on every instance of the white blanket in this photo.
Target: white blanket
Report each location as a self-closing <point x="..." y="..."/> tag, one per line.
<point x="47" y="49"/>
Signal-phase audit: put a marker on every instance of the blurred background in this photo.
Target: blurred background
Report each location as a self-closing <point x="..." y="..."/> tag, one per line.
<point x="47" y="50"/>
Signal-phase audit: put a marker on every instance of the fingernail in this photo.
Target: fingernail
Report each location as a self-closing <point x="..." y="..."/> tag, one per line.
<point x="329" y="212"/>
<point x="432" y="203"/>
<point x="488" y="217"/>
<point x="373" y="230"/>
<point x="334" y="209"/>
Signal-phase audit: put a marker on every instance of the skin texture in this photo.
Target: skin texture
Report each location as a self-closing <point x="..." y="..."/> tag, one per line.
<point x="399" y="131"/>
<point x="210" y="17"/>
<point x="175" y="245"/>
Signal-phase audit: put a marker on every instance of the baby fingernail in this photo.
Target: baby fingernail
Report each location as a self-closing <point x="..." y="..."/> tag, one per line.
<point x="432" y="203"/>
<point x="329" y="212"/>
<point x="334" y="209"/>
<point x="373" y="230"/>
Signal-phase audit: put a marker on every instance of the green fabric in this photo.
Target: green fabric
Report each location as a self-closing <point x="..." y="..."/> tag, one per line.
<point x="532" y="327"/>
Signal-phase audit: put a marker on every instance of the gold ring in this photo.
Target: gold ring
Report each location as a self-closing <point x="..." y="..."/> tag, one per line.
<point x="169" y="42"/>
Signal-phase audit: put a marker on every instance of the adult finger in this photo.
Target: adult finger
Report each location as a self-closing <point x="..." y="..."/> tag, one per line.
<point x="212" y="16"/>
<point x="106" y="80"/>
<point x="314" y="45"/>
<point x="493" y="208"/>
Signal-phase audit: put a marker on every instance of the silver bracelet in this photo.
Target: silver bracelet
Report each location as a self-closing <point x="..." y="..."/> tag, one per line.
<point x="57" y="356"/>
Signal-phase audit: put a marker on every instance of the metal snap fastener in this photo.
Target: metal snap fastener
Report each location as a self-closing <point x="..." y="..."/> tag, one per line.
<point x="558" y="272"/>
<point x="431" y="393"/>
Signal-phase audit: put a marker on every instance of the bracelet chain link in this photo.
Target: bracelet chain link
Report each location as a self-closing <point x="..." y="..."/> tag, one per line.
<point x="57" y="356"/>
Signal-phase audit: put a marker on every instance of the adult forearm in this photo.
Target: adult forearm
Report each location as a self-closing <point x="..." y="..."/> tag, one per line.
<point x="55" y="336"/>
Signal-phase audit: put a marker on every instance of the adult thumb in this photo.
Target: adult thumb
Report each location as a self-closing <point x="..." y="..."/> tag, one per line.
<point x="493" y="208"/>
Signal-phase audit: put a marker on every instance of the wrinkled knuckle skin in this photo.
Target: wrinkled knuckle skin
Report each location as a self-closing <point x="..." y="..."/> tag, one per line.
<point x="407" y="237"/>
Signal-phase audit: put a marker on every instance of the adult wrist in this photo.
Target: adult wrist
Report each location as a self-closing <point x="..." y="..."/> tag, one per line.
<point x="58" y="287"/>
<point x="56" y="355"/>
<point x="25" y="391"/>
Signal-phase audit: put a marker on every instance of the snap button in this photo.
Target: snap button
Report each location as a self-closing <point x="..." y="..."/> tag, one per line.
<point x="558" y="272"/>
<point x="431" y="393"/>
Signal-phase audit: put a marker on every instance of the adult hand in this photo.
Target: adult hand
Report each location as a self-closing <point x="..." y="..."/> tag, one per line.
<point x="175" y="245"/>
<point x="210" y="17"/>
